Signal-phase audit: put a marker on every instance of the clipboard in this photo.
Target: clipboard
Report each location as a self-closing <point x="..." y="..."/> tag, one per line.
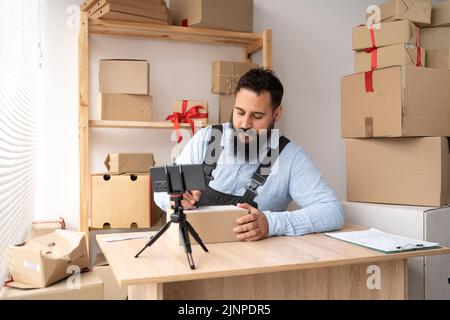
<point x="383" y="242"/>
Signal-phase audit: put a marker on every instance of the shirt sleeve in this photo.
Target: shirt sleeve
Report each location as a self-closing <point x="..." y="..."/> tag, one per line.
<point x="192" y="153"/>
<point x="320" y="210"/>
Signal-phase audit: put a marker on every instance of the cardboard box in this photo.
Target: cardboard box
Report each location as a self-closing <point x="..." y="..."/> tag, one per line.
<point x="440" y="14"/>
<point x="119" y="163"/>
<point x="435" y="38"/>
<point x="234" y="15"/>
<point x="41" y="228"/>
<point x="439" y="58"/>
<point x="90" y="288"/>
<point x="409" y="171"/>
<point x="125" y="107"/>
<point x="47" y="259"/>
<point x="408" y="102"/>
<point x="178" y="107"/>
<point x="121" y="201"/>
<point x="417" y="11"/>
<point x="144" y="9"/>
<point x="112" y="289"/>
<point x="214" y="224"/>
<point x="124" y="76"/>
<point x="397" y="55"/>
<point x="108" y="12"/>
<point x="425" y="274"/>
<point x="226" y="75"/>
<point x="226" y="107"/>
<point x="391" y="33"/>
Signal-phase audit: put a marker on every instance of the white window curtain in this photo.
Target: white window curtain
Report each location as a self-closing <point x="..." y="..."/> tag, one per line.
<point x="19" y="71"/>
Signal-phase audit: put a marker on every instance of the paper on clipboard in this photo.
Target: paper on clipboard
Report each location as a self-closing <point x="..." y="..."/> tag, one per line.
<point x="381" y="241"/>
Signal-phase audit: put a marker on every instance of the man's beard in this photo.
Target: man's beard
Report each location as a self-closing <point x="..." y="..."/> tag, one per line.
<point x="251" y="148"/>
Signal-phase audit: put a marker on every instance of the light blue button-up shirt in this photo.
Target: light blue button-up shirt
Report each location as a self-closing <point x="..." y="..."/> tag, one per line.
<point x="294" y="178"/>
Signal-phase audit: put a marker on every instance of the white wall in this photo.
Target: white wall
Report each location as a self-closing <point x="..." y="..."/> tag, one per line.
<point x="312" y="51"/>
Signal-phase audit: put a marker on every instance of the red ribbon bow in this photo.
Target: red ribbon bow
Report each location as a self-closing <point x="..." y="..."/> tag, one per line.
<point x="186" y="116"/>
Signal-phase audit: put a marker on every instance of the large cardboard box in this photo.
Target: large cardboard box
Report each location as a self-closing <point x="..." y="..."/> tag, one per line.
<point x="435" y="38"/>
<point x="121" y="201"/>
<point x="439" y="58"/>
<point x="214" y="224"/>
<point x="426" y="275"/>
<point x="47" y="259"/>
<point x="226" y="107"/>
<point x="226" y="75"/>
<point x="186" y="106"/>
<point x="41" y="228"/>
<point x="119" y="163"/>
<point x="234" y="15"/>
<point x="417" y="11"/>
<point x="397" y="55"/>
<point x="112" y="289"/>
<point x="391" y="33"/>
<point x="408" y="102"/>
<point x="440" y="14"/>
<point x="124" y="76"/>
<point x="87" y="287"/>
<point x="125" y="107"/>
<point x="408" y="171"/>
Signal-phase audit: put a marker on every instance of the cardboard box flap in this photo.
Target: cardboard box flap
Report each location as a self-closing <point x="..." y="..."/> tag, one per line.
<point x="119" y="163"/>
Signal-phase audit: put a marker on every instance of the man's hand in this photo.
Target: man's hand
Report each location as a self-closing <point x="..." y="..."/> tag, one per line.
<point x="190" y="198"/>
<point x="252" y="227"/>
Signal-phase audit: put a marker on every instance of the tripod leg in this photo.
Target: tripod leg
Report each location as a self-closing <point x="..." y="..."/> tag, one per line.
<point x="154" y="238"/>
<point x="186" y="244"/>
<point x="195" y="235"/>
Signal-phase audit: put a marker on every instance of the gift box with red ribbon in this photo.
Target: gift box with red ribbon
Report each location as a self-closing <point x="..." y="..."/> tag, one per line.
<point x="188" y="111"/>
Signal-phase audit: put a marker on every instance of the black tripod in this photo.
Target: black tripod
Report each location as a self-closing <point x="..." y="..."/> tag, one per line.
<point x="185" y="228"/>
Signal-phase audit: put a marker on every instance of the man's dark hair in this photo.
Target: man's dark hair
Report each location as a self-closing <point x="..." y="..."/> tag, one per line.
<point x="263" y="80"/>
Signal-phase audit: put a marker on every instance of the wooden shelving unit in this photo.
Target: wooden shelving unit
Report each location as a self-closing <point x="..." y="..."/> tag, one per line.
<point x="249" y="42"/>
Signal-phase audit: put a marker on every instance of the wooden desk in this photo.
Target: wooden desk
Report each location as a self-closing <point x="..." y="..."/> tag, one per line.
<point x="309" y="267"/>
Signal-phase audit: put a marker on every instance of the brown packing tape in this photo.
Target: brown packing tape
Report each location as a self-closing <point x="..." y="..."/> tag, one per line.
<point x="369" y="127"/>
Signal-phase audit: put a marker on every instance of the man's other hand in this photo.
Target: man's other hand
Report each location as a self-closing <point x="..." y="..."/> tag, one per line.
<point x="252" y="227"/>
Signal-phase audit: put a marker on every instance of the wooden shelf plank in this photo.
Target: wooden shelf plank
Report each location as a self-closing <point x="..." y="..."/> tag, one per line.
<point x="163" y="32"/>
<point x="134" y="124"/>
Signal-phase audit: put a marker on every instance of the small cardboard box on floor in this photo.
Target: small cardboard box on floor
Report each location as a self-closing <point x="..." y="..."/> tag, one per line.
<point x="226" y="75"/>
<point x="124" y="76"/>
<point x="417" y="11"/>
<point x="233" y="15"/>
<point x="88" y="287"/>
<point x="439" y="58"/>
<point x="407" y="101"/>
<point x="435" y="38"/>
<point x="47" y="259"/>
<point x="214" y="224"/>
<point x="440" y="14"/>
<point x="120" y="163"/>
<point x="391" y="33"/>
<point x="396" y="55"/>
<point x="121" y="201"/>
<point x="125" y="107"/>
<point x="406" y="171"/>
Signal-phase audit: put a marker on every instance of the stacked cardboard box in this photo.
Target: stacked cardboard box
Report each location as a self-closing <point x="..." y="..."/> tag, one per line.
<point x="124" y="91"/>
<point x="150" y="11"/>
<point x="436" y="39"/>
<point x="396" y="112"/>
<point x="225" y="77"/>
